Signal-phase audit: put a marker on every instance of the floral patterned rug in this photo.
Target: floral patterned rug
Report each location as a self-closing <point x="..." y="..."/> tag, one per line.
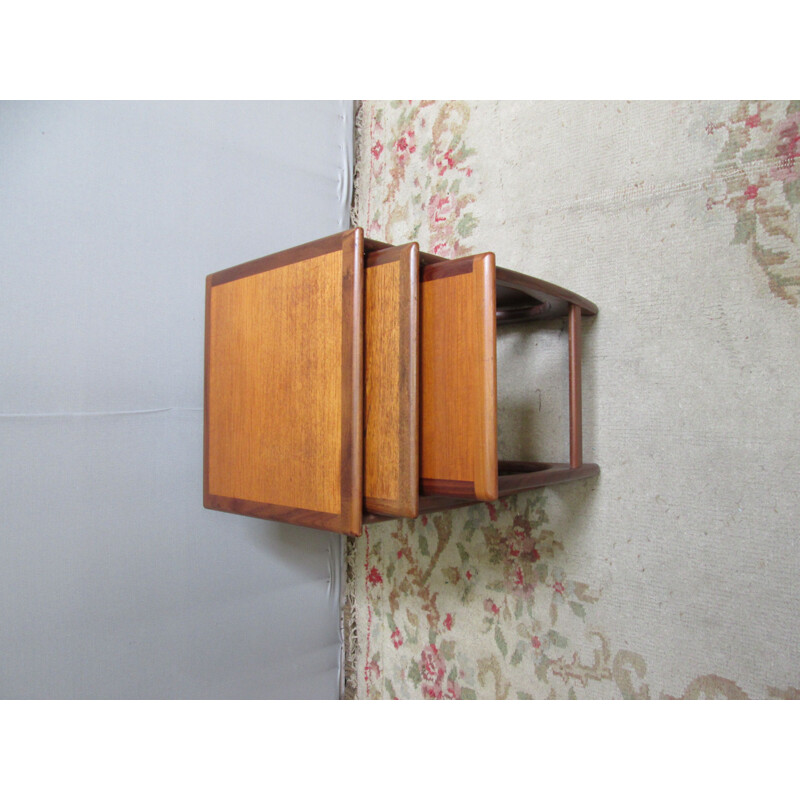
<point x="673" y="574"/>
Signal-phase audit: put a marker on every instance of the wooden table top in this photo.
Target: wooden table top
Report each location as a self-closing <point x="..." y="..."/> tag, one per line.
<point x="283" y="386"/>
<point x="391" y="385"/>
<point x="458" y="412"/>
<point x="347" y="378"/>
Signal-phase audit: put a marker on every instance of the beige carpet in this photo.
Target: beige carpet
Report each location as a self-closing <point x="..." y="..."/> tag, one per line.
<point x="675" y="573"/>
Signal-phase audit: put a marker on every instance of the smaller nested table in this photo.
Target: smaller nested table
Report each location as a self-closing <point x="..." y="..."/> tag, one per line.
<point x="350" y="381"/>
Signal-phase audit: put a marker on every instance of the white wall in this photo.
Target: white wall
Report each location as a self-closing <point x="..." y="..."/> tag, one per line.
<point x="115" y="582"/>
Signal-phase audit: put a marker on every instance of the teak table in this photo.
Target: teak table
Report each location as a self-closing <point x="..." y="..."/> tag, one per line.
<point x="351" y="381"/>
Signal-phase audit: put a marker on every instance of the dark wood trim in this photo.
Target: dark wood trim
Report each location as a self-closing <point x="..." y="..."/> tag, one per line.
<point x="517" y="467"/>
<point x="386" y="508"/>
<point x="371" y="245"/>
<point x="544" y="475"/>
<point x="302" y="252"/>
<point x="387" y="255"/>
<point x="446" y="269"/>
<point x="549" y="301"/>
<point x="408" y="364"/>
<point x="295" y="516"/>
<point x="447" y="488"/>
<point x="540" y="475"/>
<point x="352" y="470"/>
<point x="484" y="265"/>
<point x="206" y="384"/>
<point x="575" y="405"/>
<point x="425" y="259"/>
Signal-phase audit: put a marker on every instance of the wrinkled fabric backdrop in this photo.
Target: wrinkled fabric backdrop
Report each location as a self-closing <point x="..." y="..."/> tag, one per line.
<point x="674" y="573"/>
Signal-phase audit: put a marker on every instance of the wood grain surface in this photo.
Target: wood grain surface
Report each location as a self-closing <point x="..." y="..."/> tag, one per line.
<point x="391" y="396"/>
<point x="458" y="379"/>
<point x="283" y="386"/>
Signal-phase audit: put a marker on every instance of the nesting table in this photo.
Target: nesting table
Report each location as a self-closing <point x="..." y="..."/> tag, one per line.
<point x="350" y="381"/>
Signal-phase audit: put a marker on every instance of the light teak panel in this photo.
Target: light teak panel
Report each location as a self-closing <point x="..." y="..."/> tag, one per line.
<point x="391" y="398"/>
<point x="458" y="414"/>
<point x="283" y="386"/>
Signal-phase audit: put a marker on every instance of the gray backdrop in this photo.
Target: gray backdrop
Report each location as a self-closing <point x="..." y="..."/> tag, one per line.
<point x="115" y="582"/>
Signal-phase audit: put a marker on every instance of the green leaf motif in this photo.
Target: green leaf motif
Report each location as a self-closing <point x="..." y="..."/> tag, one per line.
<point x="745" y="227"/>
<point x="767" y="257"/>
<point x="448" y="650"/>
<point x="423" y="546"/>
<point x="501" y="641"/>
<point x="466" y="225"/>
<point x="577" y="609"/>
<point x="557" y="639"/>
<point x="792" y="191"/>
<point x="516" y="658"/>
<point x="468" y="694"/>
<point x="462" y="552"/>
<point x="414" y="675"/>
<point x="738" y="138"/>
<point x="756" y="154"/>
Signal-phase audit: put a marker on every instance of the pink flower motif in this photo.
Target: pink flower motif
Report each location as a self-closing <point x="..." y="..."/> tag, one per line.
<point x="448" y="622"/>
<point x="433" y="668"/>
<point x="492" y="512"/>
<point x="432" y="665"/>
<point x="468" y="575"/>
<point x="751" y="191"/>
<point x="440" y="207"/>
<point x="424" y="520"/>
<point x="446" y="162"/>
<point x="536" y="643"/>
<point x="788" y="133"/>
<point x="519" y="580"/>
<point x="559" y="587"/>
<point x="374" y="576"/>
<point x="373" y="671"/>
<point x="490" y="606"/>
<point x="397" y="638"/>
<point x="453" y="691"/>
<point x="401" y="143"/>
<point x="377" y="150"/>
<point x="399" y="553"/>
<point x="753" y="121"/>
